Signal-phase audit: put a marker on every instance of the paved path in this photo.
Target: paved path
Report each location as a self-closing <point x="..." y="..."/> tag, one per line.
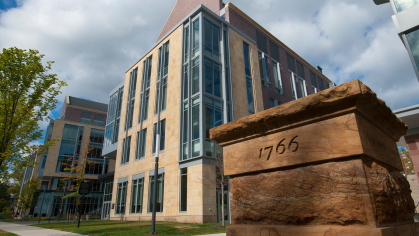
<point x="24" y="230"/>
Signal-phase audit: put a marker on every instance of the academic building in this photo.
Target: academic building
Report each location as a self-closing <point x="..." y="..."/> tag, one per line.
<point x="406" y="21"/>
<point x="211" y="64"/>
<point x="79" y="134"/>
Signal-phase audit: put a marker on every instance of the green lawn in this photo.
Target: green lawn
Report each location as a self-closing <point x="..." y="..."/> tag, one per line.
<point x="122" y="228"/>
<point x="4" y="233"/>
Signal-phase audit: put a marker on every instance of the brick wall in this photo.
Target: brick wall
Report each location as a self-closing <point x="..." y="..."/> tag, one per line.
<point x="247" y="27"/>
<point x="412" y="142"/>
<point x="74" y="114"/>
<point x="63" y="109"/>
<point x="183" y="8"/>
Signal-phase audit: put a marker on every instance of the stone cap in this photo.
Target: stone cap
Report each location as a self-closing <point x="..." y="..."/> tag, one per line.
<point x="350" y="97"/>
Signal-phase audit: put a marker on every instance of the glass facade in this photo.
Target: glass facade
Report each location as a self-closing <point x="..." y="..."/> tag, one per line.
<point x="413" y="41"/>
<point x="86" y="118"/>
<point x="126" y="149"/>
<point x="145" y="91"/>
<point x="96" y="164"/>
<point x="160" y="191"/>
<point x="205" y="84"/>
<point x="141" y="143"/>
<point x="402" y="5"/>
<point x="137" y="195"/>
<point x="113" y="118"/>
<point x="162" y="135"/>
<point x="69" y="148"/>
<point x="121" y="198"/>
<point x="131" y="98"/>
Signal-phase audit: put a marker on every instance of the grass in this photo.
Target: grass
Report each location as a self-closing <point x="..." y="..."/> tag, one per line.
<point x="63" y="218"/>
<point x="4" y="233"/>
<point x="122" y="228"/>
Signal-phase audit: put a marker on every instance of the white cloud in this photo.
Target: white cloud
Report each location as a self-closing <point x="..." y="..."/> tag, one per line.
<point x="94" y="42"/>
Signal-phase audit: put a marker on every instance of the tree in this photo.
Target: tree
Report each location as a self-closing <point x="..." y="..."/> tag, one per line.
<point x="29" y="195"/>
<point x="4" y="196"/>
<point x="27" y="95"/>
<point x="77" y="170"/>
<point x="220" y="182"/>
<point x="407" y="163"/>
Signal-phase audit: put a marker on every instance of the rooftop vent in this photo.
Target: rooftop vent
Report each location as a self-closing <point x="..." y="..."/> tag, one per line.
<point x="319" y="69"/>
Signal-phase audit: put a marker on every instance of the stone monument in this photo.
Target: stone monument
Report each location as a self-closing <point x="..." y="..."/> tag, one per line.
<point x="326" y="164"/>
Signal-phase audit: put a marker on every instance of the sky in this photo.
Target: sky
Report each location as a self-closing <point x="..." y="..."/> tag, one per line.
<point x="93" y="43"/>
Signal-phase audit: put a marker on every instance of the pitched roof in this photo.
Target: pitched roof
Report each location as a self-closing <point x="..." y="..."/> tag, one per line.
<point x="79" y="102"/>
<point x="182" y="8"/>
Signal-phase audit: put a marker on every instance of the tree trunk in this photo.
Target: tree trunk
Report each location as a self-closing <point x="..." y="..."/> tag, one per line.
<point x="222" y="203"/>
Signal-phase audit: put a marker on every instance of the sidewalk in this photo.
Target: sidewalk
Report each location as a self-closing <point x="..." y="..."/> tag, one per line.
<point x="24" y="230"/>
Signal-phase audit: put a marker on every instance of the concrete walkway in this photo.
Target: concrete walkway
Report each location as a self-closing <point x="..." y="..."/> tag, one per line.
<point x="24" y="230"/>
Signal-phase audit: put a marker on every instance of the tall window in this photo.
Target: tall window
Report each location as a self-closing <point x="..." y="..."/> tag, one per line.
<point x="211" y="40"/>
<point x="412" y="39"/>
<point x="113" y="100"/>
<point x="294" y="85"/>
<point x="145" y="89"/>
<point x="195" y="38"/>
<point x="96" y="164"/>
<point x="98" y="120"/>
<point x="186" y="43"/>
<point x="162" y="135"/>
<point x="118" y="115"/>
<point x="212" y="78"/>
<point x="126" y="150"/>
<point x="160" y="189"/>
<point x="277" y="76"/>
<point x="185" y="134"/>
<point x="164" y="67"/>
<point x="183" y="189"/>
<point x="290" y="62"/>
<point x="137" y="195"/>
<point x="141" y="143"/>
<point x="273" y="102"/>
<point x="70" y="147"/>
<point x="313" y="82"/>
<point x="213" y="118"/>
<point x="248" y="81"/>
<point x="121" y="198"/>
<point x="303" y="88"/>
<point x="195" y="75"/>
<point x="195" y="127"/>
<point x="131" y="97"/>
<point x="261" y="41"/>
<point x="264" y="71"/>
<point x="321" y="86"/>
<point x="301" y="75"/>
<point x="86" y="117"/>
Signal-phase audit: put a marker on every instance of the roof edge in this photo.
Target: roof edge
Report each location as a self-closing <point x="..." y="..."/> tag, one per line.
<point x="229" y="4"/>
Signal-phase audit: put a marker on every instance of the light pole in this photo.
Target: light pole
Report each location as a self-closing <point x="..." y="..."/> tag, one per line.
<point x="156" y="174"/>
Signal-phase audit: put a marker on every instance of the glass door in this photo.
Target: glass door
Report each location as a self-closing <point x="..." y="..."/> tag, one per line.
<point x="225" y="205"/>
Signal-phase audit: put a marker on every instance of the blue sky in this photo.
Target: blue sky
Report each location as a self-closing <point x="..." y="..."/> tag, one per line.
<point x="7" y="4"/>
<point x="94" y="42"/>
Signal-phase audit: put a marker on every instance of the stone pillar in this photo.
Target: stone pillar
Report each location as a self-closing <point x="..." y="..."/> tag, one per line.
<point x="326" y="164"/>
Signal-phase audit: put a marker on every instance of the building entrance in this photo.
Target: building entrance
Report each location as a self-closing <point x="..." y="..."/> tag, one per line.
<point x="225" y="205"/>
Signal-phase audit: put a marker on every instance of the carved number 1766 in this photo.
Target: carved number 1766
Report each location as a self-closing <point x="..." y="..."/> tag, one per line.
<point x="280" y="148"/>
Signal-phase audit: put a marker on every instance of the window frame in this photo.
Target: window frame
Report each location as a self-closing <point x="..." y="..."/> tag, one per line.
<point x="279" y="78"/>
<point x="151" y="190"/>
<point x="136" y="195"/>
<point x="181" y="195"/>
